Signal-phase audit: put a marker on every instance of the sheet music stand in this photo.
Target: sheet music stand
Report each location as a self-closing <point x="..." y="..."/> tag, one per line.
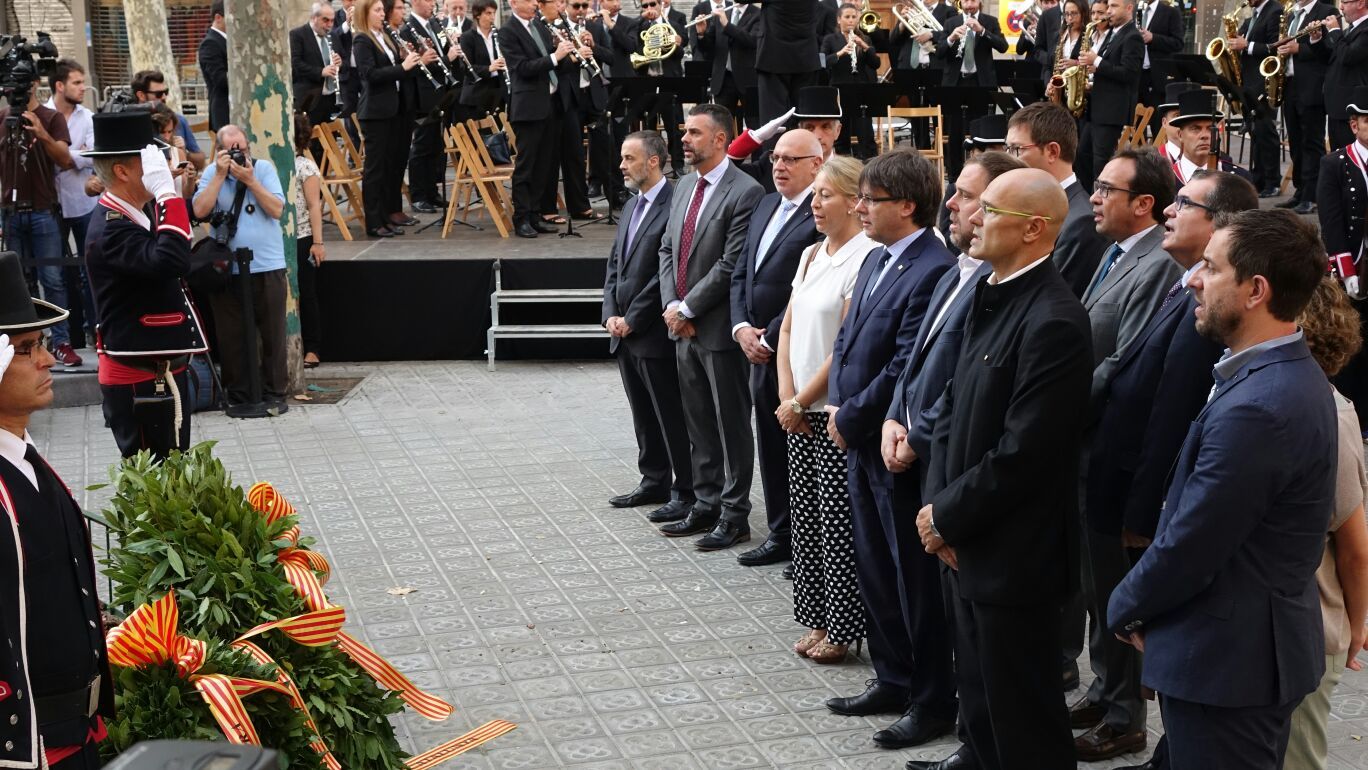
<point x="961" y="104"/>
<point x="1027" y="91"/>
<point x="917" y="84"/>
<point x="643" y="94"/>
<point x="868" y="99"/>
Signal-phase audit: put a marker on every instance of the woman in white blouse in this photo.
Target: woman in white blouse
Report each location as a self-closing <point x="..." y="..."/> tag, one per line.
<point x="825" y="595"/>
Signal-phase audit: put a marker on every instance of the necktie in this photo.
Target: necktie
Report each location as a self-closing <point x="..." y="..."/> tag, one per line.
<point x="1296" y="21"/>
<point x="326" y="50"/>
<point x="1172" y="292"/>
<point x="1113" y="254"/>
<point x="31" y="455"/>
<point x="878" y="272"/>
<point x="686" y="236"/>
<point x="970" y="66"/>
<point x="1106" y="41"/>
<point x="541" y="46"/>
<point x="772" y="231"/>
<point x="637" y="214"/>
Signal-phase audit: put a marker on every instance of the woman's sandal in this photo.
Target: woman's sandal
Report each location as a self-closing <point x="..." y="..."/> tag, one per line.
<point x="553" y="219"/>
<point x="808" y="640"/>
<point x="826" y="652"/>
<point x="588" y="216"/>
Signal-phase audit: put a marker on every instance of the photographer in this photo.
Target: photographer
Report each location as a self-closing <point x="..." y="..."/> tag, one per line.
<point x="149" y="87"/>
<point x="30" y="199"/>
<point x="258" y="229"/>
<point x="147" y="324"/>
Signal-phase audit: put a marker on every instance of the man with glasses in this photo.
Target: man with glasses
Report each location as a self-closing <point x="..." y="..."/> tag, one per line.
<point x="1347" y="44"/>
<point x="1129" y="286"/>
<point x="899" y="195"/>
<point x="1002" y="489"/>
<point x="150" y="86"/>
<point x="1194" y="126"/>
<point x="1045" y="136"/>
<point x="1159" y="384"/>
<point x="780" y="231"/>
<point x="818" y="112"/>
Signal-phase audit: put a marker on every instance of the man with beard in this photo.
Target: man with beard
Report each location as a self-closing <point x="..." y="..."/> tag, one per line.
<point x="1224" y="603"/>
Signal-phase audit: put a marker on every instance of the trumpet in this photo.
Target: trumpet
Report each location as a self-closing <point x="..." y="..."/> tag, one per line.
<point x="869" y="19"/>
<point x="407" y="48"/>
<point x="916" y="19"/>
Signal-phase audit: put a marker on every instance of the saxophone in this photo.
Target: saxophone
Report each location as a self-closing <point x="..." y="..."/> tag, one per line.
<point x="1071" y="85"/>
<point x="1277" y="78"/>
<point x="1220" y="54"/>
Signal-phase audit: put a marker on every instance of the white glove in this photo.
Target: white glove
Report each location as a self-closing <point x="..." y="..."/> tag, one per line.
<point x="1353" y="287"/>
<point x="772" y="128"/>
<point x="157" y="173"/>
<point x="6" y="354"/>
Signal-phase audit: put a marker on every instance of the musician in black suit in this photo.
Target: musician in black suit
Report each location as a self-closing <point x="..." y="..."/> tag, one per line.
<point x="908" y="52"/>
<point x="966" y="47"/>
<point x="315" y="78"/>
<point x="1343" y="200"/>
<point x="839" y="48"/>
<point x="1348" y="68"/>
<point x="453" y="19"/>
<point x="1117" y="66"/>
<point x="343" y="29"/>
<point x="662" y="107"/>
<point x="728" y="40"/>
<point x="425" y="160"/>
<point x="1303" y="103"/>
<point x="486" y="82"/>
<point x="586" y="99"/>
<point x="787" y="58"/>
<point x="536" y="65"/>
<point x="619" y="28"/>
<point x="1040" y="47"/>
<point x="385" y="109"/>
<point x="645" y="354"/>
<point x="593" y="105"/>
<point x="1253" y="44"/>
<point x="213" y="64"/>
<point x="1161" y="28"/>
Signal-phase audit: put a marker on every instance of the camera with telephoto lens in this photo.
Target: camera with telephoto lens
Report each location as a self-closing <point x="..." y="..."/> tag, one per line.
<point x="237" y="156"/>
<point x="21" y="64"/>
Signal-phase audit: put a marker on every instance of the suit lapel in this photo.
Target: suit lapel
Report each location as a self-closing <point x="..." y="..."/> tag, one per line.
<point x="705" y="214"/>
<point x="895" y="272"/>
<point x="1129" y="261"/>
<point x="763" y="212"/>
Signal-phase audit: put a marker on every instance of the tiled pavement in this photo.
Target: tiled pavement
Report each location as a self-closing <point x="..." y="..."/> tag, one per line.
<point x="608" y="644"/>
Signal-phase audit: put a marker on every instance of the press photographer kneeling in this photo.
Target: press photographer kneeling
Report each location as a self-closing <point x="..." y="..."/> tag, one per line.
<point x="258" y="229"/>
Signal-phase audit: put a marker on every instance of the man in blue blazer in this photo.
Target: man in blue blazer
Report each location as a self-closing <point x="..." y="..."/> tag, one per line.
<point x="645" y="354"/>
<point x="780" y="231"/>
<point x="1224" y="602"/>
<point x="899" y="195"/>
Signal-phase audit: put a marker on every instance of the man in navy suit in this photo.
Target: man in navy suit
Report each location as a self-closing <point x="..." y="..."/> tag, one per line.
<point x="645" y="354"/>
<point x="1224" y="602"/>
<point x="899" y="195"/>
<point x="1159" y="384"/>
<point x="760" y="286"/>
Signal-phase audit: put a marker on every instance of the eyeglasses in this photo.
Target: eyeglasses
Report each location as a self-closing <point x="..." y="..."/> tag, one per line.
<point x="1181" y="202"/>
<point x="649" y="5"/>
<point x="27" y="349"/>
<point x="159" y="94"/>
<point x="1015" y="150"/>
<point x="867" y="199"/>
<point x="787" y="160"/>
<point x="1105" y="190"/>
<point x="579" y="5"/>
<point x="991" y="209"/>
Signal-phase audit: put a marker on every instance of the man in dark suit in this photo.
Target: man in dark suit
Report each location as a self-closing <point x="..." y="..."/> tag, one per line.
<point x="786" y="59"/>
<point x="1253" y="44"/>
<point x="1161" y="29"/>
<point x="1046" y="39"/>
<point x="1002" y="489"/>
<point x="1343" y="201"/>
<point x="314" y="65"/>
<point x="1224" y="602"/>
<point x="661" y="107"/>
<point x="1303" y="104"/>
<point x="728" y="40"/>
<point x="592" y="100"/>
<point x="899" y="195"/>
<point x="909" y="640"/>
<point x="580" y="92"/>
<point x="213" y="64"/>
<point x="705" y="237"/>
<point x="760" y="286"/>
<point x="486" y="81"/>
<point x="907" y="52"/>
<point x="425" y="160"/>
<point x="646" y="357"/>
<point x="343" y="28"/>
<point x="965" y="48"/>
<point x="1348" y="67"/>
<point x="1045" y="136"/>
<point x="1116" y="66"/>
<point x="537" y="64"/>
<point x="1159" y="385"/>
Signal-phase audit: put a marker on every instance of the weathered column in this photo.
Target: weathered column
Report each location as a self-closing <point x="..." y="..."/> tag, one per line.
<point x="149" y="44"/>
<point x="260" y="102"/>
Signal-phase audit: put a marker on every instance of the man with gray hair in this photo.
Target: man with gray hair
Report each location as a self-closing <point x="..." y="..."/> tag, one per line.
<point x="314" y="65"/>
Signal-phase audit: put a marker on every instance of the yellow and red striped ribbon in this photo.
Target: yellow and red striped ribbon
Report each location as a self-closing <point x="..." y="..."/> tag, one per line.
<point x="312" y="629"/>
<point x="457" y="746"/>
<point x="318" y="744"/>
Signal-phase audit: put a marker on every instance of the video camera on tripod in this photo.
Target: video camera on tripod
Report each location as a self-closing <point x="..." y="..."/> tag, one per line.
<point x="22" y="63"/>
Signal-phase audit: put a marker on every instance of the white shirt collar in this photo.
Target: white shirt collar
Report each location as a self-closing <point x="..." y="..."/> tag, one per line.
<point x="1188" y="273"/>
<point x="221" y="32"/>
<point x="1173" y="150"/>
<point x="798" y="199"/>
<point x="1360" y="21"/>
<point x="1068" y="180"/>
<point x="1361" y="149"/>
<point x="899" y="247"/>
<point x="12" y="448"/>
<point x="420" y="19"/>
<point x="1187" y="168"/>
<point x="967" y="264"/>
<point x="1130" y="242"/>
<point x="715" y="175"/>
<point x="995" y="280"/>
<point x="132" y="212"/>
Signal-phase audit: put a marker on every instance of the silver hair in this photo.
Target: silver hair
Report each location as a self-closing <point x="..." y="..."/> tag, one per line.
<point x="104" y="167"/>
<point x="316" y="9"/>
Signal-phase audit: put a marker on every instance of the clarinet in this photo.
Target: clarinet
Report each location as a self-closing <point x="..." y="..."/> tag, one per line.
<point x="460" y="57"/>
<point x="420" y="39"/>
<point x="407" y="48"/>
<point x="572" y="31"/>
<point x="854" y="54"/>
<point x="508" y="82"/>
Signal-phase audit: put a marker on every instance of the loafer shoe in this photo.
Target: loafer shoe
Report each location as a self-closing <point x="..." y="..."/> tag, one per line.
<point x="771" y="551"/>
<point x="425" y="207"/>
<point x="1269" y="192"/>
<point x="725" y="535"/>
<point x="913" y="729"/>
<point x="878" y="698"/>
<point x="1084" y="714"/>
<point x="1305" y="207"/>
<point x="380" y="232"/>
<point x="1104" y="742"/>
<point x="675" y="510"/>
<point x="404" y="220"/>
<point x="696" y="523"/>
<point x="525" y="231"/>
<point x="1290" y="203"/>
<point x="642" y="495"/>
<point x="787" y="574"/>
<point x="542" y="226"/>
<point x="957" y="761"/>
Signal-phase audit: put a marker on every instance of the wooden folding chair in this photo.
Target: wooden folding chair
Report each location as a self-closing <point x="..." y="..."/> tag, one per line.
<point x="1134" y="134"/>
<point x="936" y="121"/>
<point x="506" y="126"/>
<point x="335" y="173"/>
<point x="485" y="178"/>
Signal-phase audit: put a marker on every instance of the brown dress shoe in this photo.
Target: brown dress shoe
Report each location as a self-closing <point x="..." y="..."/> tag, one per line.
<point x="1104" y="742"/>
<point x="1084" y="714"/>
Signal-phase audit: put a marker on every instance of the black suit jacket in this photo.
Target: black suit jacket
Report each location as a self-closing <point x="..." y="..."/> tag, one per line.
<point x="1311" y="61"/>
<point x="492" y="87"/>
<point x="1167" y="29"/>
<point x="530" y="71"/>
<point x="738" y="40"/>
<point x="867" y="61"/>
<point x="342" y="44"/>
<point x="1078" y="247"/>
<point x="306" y="63"/>
<point x="788" y="44"/>
<point x="1341" y="201"/>
<point x="213" y="64"/>
<point x="760" y="297"/>
<point x="1348" y="68"/>
<point x="991" y="40"/>
<point x="1003" y="482"/>
<point x="1159" y="386"/>
<point x="1116" y="84"/>
<point x="412" y="30"/>
<point x="1261" y="30"/>
<point x="632" y="286"/>
<point x="379" y="98"/>
<point x="1047" y="39"/>
<point x="623" y="44"/>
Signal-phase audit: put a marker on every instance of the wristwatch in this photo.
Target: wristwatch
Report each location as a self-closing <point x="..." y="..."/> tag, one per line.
<point x="796" y="407"/>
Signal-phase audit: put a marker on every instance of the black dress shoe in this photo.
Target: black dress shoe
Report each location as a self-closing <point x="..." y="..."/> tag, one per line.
<point x="542" y="226"/>
<point x="642" y="495"/>
<point x="696" y="523"/>
<point x="1157" y="761"/>
<point x="1290" y="203"/>
<point x="595" y="190"/>
<point x="1305" y="207"/>
<point x="380" y="232"/>
<point x="1104" y="742"/>
<point x="771" y="551"/>
<point x="404" y="221"/>
<point x="879" y="698"/>
<point x="675" y="510"/>
<point x="725" y="535"/>
<point x="913" y="729"/>
<point x="957" y="761"/>
<point x="425" y="207"/>
<point x="525" y="230"/>
<point x="1084" y="714"/>
<point x="1270" y="192"/>
<point x="1071" y="678"/>
<point x="787" y="574"/>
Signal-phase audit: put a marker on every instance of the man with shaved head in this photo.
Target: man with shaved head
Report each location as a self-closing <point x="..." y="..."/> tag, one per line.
<point x="1002" y="489"/>
<point x="780" y="230"/>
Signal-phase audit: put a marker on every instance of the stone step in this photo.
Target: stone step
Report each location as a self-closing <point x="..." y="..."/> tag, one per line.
<point x="548" y="295"/>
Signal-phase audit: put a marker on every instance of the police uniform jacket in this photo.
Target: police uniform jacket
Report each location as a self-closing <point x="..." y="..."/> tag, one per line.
<point x="1341" y="199"/>
<point x="135" y="276"/>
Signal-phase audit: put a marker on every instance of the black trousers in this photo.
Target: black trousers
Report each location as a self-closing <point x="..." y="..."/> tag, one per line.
<point x="662" y="107"/>
<point x="534" y="168"/>
<point x="310" y="317"/>
<point x="857" y="126"/>
<point x="779" y="91"/>
<point x="1352" y="380"/>
<point x="1305" y="137"/>
<point x="604" y="154"/>
<point x="1098" y="143"/>
<point x="652" y="388"/>
<point x="771" y="444"/>
<point x="1265" y="154"/>
<point x="731" y="96"/>
<point x="569" y="166"/>
<point x="150" y="426"/>
<point x="425" y="161"/>
<point x="269" y="290"/>
<point x="1011" y="707"/>
<point x="1204" y="737"/>
<point x="1340" y="133"/>
<point x="382" y="177"/>
<point x="322" y="109"/>
<point x="910" y="641"/>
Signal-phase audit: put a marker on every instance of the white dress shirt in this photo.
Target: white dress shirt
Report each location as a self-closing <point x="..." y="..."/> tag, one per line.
<point x="714" y="177"/>
<point x="71" y="182"/>
<point x="12" y="448"/>
<point x="821" y="289"/>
